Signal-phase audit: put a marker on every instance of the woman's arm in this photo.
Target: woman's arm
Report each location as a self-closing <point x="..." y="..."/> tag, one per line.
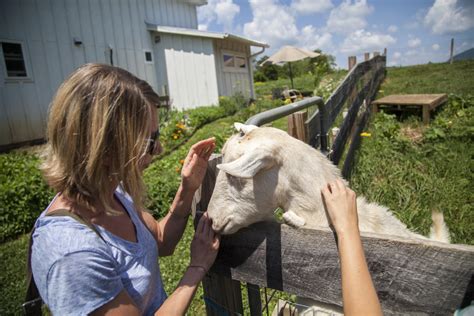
<point x="169" y="230"/>
<point x="358" y="293"/>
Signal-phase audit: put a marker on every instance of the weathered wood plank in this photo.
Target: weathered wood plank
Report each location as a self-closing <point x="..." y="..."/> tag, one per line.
<point x="255" y="300"/>
<point x="342" y="136"/>
<point x="355" y="143"/>
<point x="313" y="126"/>
<point x="297" y="126"/>
<point x="420" y="277"/>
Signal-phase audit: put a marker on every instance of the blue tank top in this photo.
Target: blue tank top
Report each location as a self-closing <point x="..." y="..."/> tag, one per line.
<point x="76" y="272"/>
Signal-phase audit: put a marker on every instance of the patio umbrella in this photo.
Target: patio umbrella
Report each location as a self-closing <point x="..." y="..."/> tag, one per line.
<point x="287" y="54"/>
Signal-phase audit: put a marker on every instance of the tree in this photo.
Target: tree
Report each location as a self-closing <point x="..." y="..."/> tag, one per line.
<point x="268" y="70"/>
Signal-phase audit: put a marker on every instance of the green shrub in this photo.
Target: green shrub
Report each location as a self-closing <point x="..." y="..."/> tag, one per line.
<point x="259" y="76"/>
<point x="23" y="194"/>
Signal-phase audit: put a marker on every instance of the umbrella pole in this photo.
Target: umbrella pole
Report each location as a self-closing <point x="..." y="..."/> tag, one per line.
<point x="291" y="75"/>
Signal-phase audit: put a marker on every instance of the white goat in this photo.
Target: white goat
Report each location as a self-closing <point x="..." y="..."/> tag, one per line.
<point x="265" y="168"/>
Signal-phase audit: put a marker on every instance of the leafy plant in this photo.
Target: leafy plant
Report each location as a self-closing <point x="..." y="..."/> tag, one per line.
<point x="23" y="194"/>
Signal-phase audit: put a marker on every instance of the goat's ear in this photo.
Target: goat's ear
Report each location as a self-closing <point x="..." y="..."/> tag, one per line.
<point x="248" y="165"/>
<point x="244" y="128"/>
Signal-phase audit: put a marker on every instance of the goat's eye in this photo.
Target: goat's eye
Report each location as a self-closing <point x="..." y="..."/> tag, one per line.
<point x="242" y="134"/>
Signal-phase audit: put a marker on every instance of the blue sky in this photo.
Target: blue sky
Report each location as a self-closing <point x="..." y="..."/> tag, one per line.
<point x="413" y="31"/>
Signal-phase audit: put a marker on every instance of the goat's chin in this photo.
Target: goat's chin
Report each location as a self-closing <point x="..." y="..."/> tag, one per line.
<point x="230" y="229"/>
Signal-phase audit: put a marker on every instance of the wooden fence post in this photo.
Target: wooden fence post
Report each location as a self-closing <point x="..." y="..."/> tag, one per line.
<point x="297" y="127"/>
<point x="385" y="51"/>
<point x="352" y="62"/>
<point x="451" y="51"/>
<point x="366" y="56"/>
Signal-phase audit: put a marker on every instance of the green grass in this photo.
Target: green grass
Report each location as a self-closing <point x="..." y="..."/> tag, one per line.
<point x="414" y="169"/>
<point x="457" y="78"/>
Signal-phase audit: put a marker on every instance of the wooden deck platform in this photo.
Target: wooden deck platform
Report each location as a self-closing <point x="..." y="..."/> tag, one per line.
<point x="428" y="102"/>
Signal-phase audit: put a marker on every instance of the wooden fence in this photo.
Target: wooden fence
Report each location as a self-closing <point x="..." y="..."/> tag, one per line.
<point x="418" y="277"/>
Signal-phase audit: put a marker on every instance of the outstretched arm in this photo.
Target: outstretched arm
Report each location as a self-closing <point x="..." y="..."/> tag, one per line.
<point x="358" y="293"/>
<point x="169" y="230"/>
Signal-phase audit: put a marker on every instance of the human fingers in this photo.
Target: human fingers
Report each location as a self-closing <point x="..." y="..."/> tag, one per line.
<point x="200" y="225"/>
<point x="206" y="227"/>
<point x="202" y="147"/>
<point x="208" y="154"/>
<point x="216" y="241"/>
<point x="332" y="186"/>
<point x="340" y="185"/>
<point x="325" y="192"/>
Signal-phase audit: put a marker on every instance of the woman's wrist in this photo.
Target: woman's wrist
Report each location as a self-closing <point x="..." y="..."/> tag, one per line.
<point x="187" y="186"/>
<point x="349" y="232"/>
<point x="199" y="268"/>
<point x="181" y="206"/>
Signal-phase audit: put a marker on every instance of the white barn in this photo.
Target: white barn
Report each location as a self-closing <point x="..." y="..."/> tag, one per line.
<point x="43" y="41"/>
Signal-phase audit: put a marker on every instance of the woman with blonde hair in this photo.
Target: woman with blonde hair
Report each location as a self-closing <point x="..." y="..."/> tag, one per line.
<point x="103" y="259"/>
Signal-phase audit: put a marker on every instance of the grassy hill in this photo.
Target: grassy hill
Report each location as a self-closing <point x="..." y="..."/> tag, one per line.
<point x="414" y="169"/>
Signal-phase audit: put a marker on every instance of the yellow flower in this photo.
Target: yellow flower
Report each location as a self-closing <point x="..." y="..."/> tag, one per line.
<point x="178" y="169"/>
<point x="180" y="125"/>
<point x="181" y="161"/>
<point x="365" y="134"/>
<point x="175" y="136"/>
<point x="287" y="101"/>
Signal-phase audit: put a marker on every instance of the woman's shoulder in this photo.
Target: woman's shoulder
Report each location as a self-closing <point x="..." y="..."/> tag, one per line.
<point x="62" y="235"/>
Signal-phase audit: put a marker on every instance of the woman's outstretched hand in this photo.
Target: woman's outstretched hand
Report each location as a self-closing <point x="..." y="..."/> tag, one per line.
<point x="341" y="207"/>
<point x="195" y="164"/>
<point x="205" y="244"/>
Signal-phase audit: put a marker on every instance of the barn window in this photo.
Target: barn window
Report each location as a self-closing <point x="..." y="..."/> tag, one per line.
<point x="148" y="57"/>
<point x="14" y="60"/>
<point x="228" y="60"/>
<point x="240" y="62"/>
<point x="234" y="62"/>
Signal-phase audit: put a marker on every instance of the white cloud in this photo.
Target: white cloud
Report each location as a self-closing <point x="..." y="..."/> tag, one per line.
<point x="272" y="23"/>
<point x="411" y="53"/>
<point x="396" y="55"/>
<point x="305" y="7"/>
<point x="450" y="16"/>
<point x="392" y="28"/>
<point x="311" y="39"/>
<point x="222" y="12"/>
<point x="349" y="16"/>
<point x="414" y="42"/>
<point x="362" y="41"/>
<point x="435" y="46"/>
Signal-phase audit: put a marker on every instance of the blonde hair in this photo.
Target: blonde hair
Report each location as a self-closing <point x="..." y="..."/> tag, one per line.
<point x="97" y="132"/>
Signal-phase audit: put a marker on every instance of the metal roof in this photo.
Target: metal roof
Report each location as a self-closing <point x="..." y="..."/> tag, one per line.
<point x="199" y="33"/>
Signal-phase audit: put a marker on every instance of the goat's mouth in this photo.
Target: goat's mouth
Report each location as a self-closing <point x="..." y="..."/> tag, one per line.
<point x="226" y="228"/>
<point x="219" y="227"/>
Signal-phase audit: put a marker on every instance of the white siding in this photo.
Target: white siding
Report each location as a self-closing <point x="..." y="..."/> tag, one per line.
<point x="191" y="71"/>
<point x="230" y="82"/>
<point x="46" y="28"/>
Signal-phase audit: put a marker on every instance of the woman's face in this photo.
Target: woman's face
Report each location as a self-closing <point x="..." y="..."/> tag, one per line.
<point x="157" y="149"/>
